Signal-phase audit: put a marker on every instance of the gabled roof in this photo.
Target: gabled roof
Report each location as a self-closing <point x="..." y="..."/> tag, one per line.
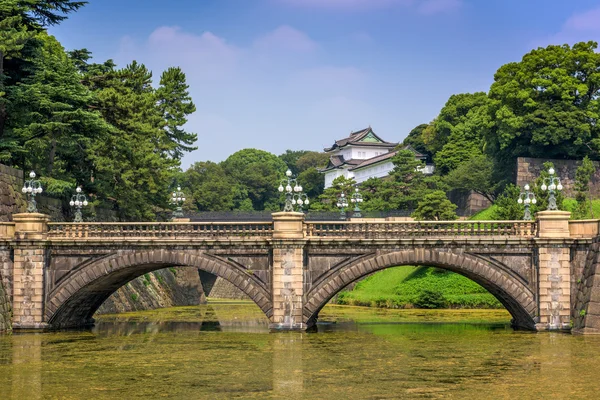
<point x="374" y="160"/>
<point x="364" y="137"/>
<point x="387" y="156"/>
<point x="339" y="161"/>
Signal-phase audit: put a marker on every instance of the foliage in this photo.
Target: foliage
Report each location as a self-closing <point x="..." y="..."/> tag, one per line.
<point x="506" y="206"/>
<point x="312" y="182"/>
<point x="430" y="299"/>
<point x="454" y="122"/>
<point x="257" y="173"/>
<point x="51" y="119"/>
<point x="416" y="141"/>
<point x="400" y="287"/>
<point x="133" y="162"/>
<point x="311" y="159"/>
<point x="476" y="174"/>
<point x="435" y="206"/>
<point x="212" y="189"/>
<point x="547" y="105"/>
<point x="20" y="23"/>
<point x="328" y="200"/>
<point x="583" y="176"/>
<point x="175" y="104"/>
<point x="290" y="158"/>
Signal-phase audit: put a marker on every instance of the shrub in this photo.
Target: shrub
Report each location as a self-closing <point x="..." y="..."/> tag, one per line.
<point x="430" y="299"/>
<point x="134" y="296"/>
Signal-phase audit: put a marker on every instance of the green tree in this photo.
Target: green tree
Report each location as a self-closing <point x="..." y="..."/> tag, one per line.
<point x="454" y="119"/>
<point x="211" y="188"/>
<point x="175" y="103"/>
<point x="407" y="182"/>
<point x="435" y="206"/>
<point x="583" y="176"/>
<point x="290" y="158"/>
<point x="20" y="22"/>
<point x="51" y="119"/>
<point x="506" y="206"/>
<point x="312" y="182"/>
<point x="547" y="105"/>
<point x="475" y="174"/>
<point x="258" y="174"/>
<point x="312" y="159"/>
<point x="328" y="200"/>
<point x="416" y="141"/>
<point x="132" y="167"/>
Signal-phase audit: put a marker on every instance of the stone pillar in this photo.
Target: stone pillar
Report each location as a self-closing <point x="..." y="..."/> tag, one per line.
<point x="28" y="270"/>
<point x="287" y="272"/>
<point x="554" y="271"/>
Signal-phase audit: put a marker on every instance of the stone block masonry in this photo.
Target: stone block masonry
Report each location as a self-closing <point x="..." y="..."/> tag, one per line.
<point x="5" y="311"/>
<point x="529" y="169"/>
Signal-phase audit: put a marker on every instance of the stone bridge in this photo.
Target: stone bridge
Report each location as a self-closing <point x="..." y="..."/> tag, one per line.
<point x="544" y="272"/>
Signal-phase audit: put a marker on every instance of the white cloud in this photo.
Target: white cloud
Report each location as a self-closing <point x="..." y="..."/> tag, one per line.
<point x="580" y="27"/>
<point x="425" y="7"/>
<point x="245" y="95"/>
<point x="285" y="38"/>
<point x="349" y="5"/>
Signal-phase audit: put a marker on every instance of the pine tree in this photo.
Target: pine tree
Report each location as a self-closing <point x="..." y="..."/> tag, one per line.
<point x="132" y="163"/>
<point x="20" y="22"/>
<point x="52" y="120"/>
<point x="176" y="104"/>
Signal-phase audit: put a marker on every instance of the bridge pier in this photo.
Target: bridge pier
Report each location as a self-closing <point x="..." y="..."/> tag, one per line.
<point x="28" y="271"/>
<point x="287" y="271"/>
<point x="554" y="271"/>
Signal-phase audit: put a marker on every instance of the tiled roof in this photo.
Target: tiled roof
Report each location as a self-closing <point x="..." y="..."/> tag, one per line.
<point x="338" y="161"/>
<point x="386" y="156"/>
<point x="356" y="137"/>
<point x="374" y="160"/>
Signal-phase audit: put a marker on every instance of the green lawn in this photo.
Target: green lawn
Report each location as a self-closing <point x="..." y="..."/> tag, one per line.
<point x="400" y="287"/>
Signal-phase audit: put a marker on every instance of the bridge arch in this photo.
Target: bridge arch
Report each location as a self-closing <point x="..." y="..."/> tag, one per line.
<point x="75" y="300"/>
<point x="510" y="289"/>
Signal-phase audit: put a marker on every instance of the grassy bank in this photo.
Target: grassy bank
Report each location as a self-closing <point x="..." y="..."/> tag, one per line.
<point x="422" y="287"/>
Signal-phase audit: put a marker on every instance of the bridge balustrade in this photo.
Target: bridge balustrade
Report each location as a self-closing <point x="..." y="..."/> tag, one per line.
<point x="160" y="230"/>
<point x="393" y="229"/>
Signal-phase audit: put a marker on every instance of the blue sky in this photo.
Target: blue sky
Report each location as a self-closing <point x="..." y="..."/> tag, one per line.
<point x="298" y="74"/>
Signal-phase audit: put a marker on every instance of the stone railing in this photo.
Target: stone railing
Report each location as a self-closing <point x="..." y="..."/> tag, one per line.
<point x="7" y="230"/>
<point x="587" y="228"/>
<point x="160" y="230"/>
<point x="391" y="230"/>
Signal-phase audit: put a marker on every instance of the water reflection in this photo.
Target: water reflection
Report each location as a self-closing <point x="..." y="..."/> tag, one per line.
<point x="221" y="351"/>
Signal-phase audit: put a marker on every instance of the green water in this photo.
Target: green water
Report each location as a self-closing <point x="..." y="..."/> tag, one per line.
<point x="223" y="351"/>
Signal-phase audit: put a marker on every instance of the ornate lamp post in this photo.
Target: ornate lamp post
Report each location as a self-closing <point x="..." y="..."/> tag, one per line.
<point x="301" y="200"/>
<point x="178" y="198"/>
<point x="527" y="198"/>
<point x="355" y="199"/>
<point x="552" y="184"/>
<point x="292" y="192"/>
<point x="31" y="188"/>
<point x="78" y="200"/>
<point x="342" y="203"/>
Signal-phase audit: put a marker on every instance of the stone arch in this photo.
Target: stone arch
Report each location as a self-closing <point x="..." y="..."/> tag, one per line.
<point x="73" y="302"/>
<point x="511" y="290"/>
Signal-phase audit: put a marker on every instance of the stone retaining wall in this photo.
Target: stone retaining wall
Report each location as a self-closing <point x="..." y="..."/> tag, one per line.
<point x="12" y="201"/>
<point x="586" y="309"/>
<point x="5" y="312"/>
<point x="223" y="289"/>
<point x="163" y="288"/>
<point x="529" y="169"/>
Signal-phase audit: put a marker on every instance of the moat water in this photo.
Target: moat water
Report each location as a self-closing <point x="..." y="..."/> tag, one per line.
<point x="225" y="350"/>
